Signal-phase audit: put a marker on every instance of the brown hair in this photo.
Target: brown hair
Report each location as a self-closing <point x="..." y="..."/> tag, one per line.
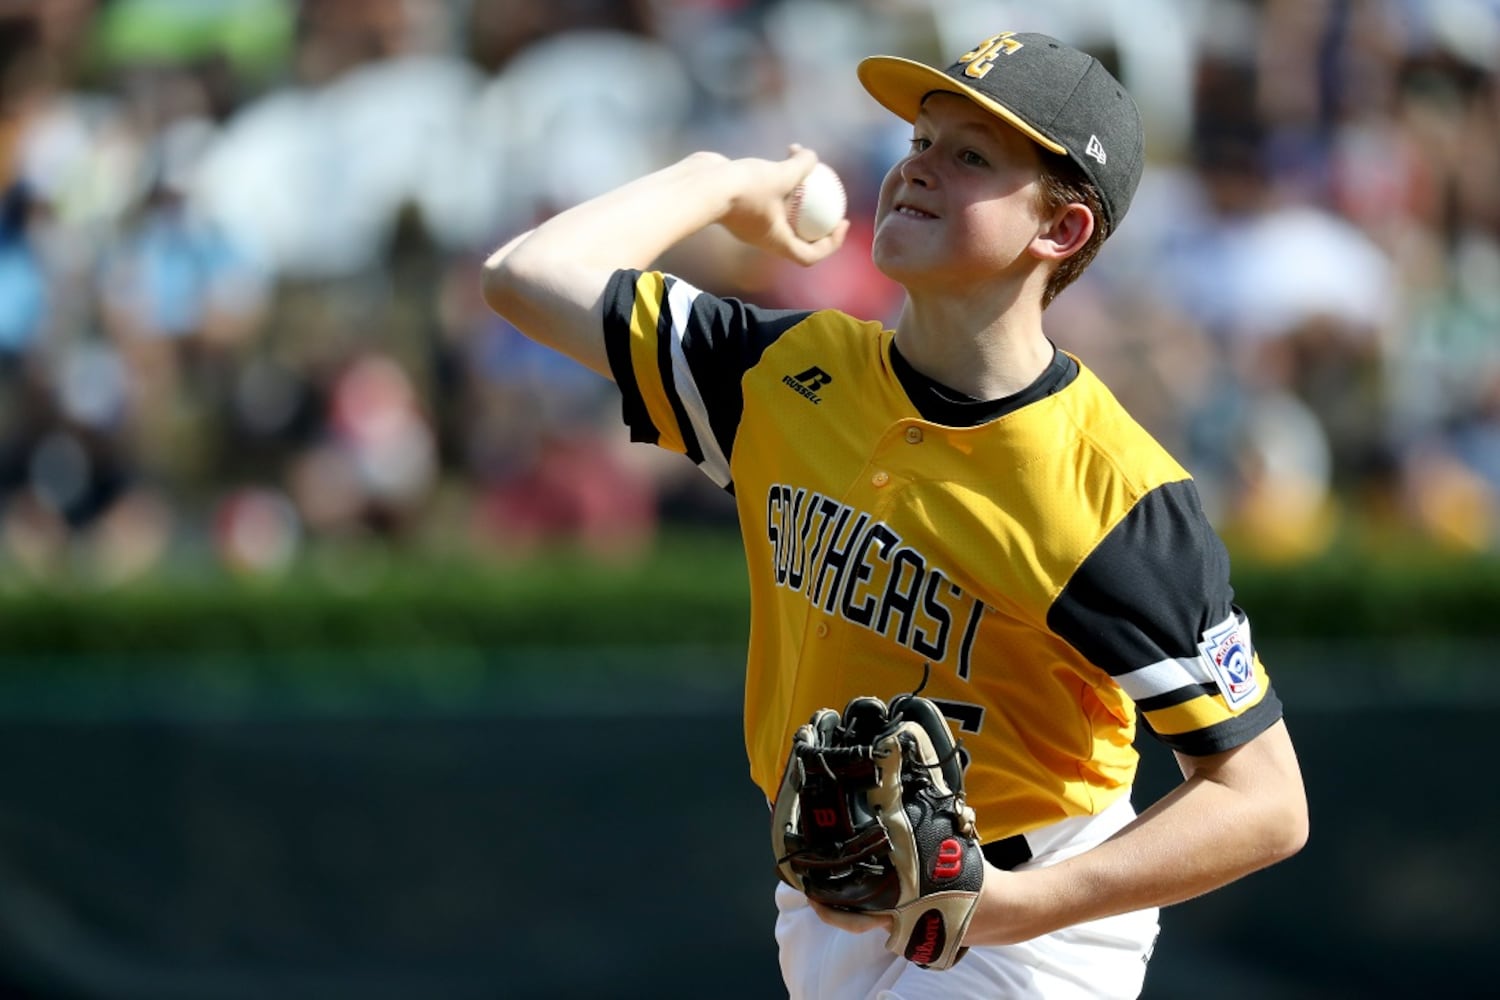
<point x="1062" y="183"/>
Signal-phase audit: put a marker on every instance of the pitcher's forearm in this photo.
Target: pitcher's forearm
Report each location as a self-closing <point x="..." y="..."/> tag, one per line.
<point x="629" y="226"/>
<point x="1237" y="813"/>
<point x="550" y="282"/>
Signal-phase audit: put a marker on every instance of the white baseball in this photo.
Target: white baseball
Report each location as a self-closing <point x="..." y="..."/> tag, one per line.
<point x="817" y="204"/>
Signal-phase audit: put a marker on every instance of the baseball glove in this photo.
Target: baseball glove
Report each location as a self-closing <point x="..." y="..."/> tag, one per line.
<point x="871" y="817"/>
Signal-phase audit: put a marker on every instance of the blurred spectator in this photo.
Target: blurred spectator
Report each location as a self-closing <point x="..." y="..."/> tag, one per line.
<point x="174" y="275"/>
<point x="23" y="284"/>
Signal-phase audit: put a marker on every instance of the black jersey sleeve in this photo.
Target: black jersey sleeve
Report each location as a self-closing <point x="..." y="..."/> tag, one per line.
<point x="678" y="355"/>
<point x="1152" y="606"/>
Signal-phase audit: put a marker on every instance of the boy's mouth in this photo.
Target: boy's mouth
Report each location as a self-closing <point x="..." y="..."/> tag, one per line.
<point x="911" y="211"/>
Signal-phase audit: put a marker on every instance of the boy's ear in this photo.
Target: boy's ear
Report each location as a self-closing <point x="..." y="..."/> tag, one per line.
<point x="1069" y="229"/>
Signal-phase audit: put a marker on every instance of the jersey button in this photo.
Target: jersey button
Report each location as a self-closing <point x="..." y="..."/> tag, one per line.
<point x="880" y="479"/>
<point x="914" y="435"/>
<point x="822" y="630"/>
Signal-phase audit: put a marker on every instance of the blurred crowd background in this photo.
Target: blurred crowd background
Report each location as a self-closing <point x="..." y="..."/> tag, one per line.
<point x="240" y="243"/>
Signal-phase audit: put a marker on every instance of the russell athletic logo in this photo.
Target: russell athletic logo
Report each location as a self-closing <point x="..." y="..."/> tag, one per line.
<point x="808" y="383"/>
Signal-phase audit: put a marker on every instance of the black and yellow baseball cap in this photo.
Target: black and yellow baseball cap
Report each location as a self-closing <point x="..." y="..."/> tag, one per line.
<point x="1062" y="98"/>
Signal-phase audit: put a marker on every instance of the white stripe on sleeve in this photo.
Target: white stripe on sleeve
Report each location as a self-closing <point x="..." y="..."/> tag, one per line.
<point x="680" y="303"/>
<point x="1164" y="676"/>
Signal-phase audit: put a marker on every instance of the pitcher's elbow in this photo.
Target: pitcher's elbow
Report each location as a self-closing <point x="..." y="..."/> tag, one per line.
<point x="502" y="280"/>
<point x="1298" y="833"/>
<point x="498" y="285"/>
<point x="1292" y="828"/>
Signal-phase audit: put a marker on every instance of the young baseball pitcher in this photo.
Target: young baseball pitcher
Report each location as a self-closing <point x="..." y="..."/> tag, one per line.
<point x="956" y="495"/>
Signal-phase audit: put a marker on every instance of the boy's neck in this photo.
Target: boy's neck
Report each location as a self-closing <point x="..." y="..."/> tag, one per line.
<point x="983" y="358"/>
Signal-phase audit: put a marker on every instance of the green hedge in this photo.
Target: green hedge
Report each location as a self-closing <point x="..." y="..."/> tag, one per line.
<point x="690" y="590"/>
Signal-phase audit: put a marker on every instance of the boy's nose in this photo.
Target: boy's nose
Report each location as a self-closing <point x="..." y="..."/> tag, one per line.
<point x="914" y="171"/>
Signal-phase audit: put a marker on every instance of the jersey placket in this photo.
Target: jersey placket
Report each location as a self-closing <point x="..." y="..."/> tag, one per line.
<point x="863" y="533"/>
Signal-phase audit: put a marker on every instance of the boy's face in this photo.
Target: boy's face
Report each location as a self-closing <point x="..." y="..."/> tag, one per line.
<point x="961" y="207"/>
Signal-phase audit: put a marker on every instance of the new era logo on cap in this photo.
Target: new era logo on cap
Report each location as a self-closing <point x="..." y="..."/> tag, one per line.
<point x="1063" y="99"/>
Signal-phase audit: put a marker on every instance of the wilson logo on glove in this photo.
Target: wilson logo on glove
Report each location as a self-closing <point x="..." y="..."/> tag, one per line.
<point x="950" y="860"/>
<point x="871" y="818"/>
<point x="927" y="939"/>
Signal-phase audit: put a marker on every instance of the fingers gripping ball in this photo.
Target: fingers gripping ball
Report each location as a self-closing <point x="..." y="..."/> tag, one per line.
<point x="871" y="817"/>
<point x="818" y="204"/>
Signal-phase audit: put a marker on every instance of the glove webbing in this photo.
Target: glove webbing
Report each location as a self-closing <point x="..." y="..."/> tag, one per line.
<point x="828" y="776"/>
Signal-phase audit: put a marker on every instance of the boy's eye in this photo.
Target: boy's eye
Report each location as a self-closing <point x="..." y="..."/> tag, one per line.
<point x="920" y="143"/>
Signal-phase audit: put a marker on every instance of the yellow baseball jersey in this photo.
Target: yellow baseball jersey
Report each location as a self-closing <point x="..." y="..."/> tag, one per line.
<point x="1043" y="556"/>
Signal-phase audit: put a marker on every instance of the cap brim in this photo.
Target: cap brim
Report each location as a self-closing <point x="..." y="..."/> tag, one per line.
<point x="901" y="84"/>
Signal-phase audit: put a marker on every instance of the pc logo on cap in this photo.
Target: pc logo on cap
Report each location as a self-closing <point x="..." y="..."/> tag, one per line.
<point x="1062" y="98"/>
